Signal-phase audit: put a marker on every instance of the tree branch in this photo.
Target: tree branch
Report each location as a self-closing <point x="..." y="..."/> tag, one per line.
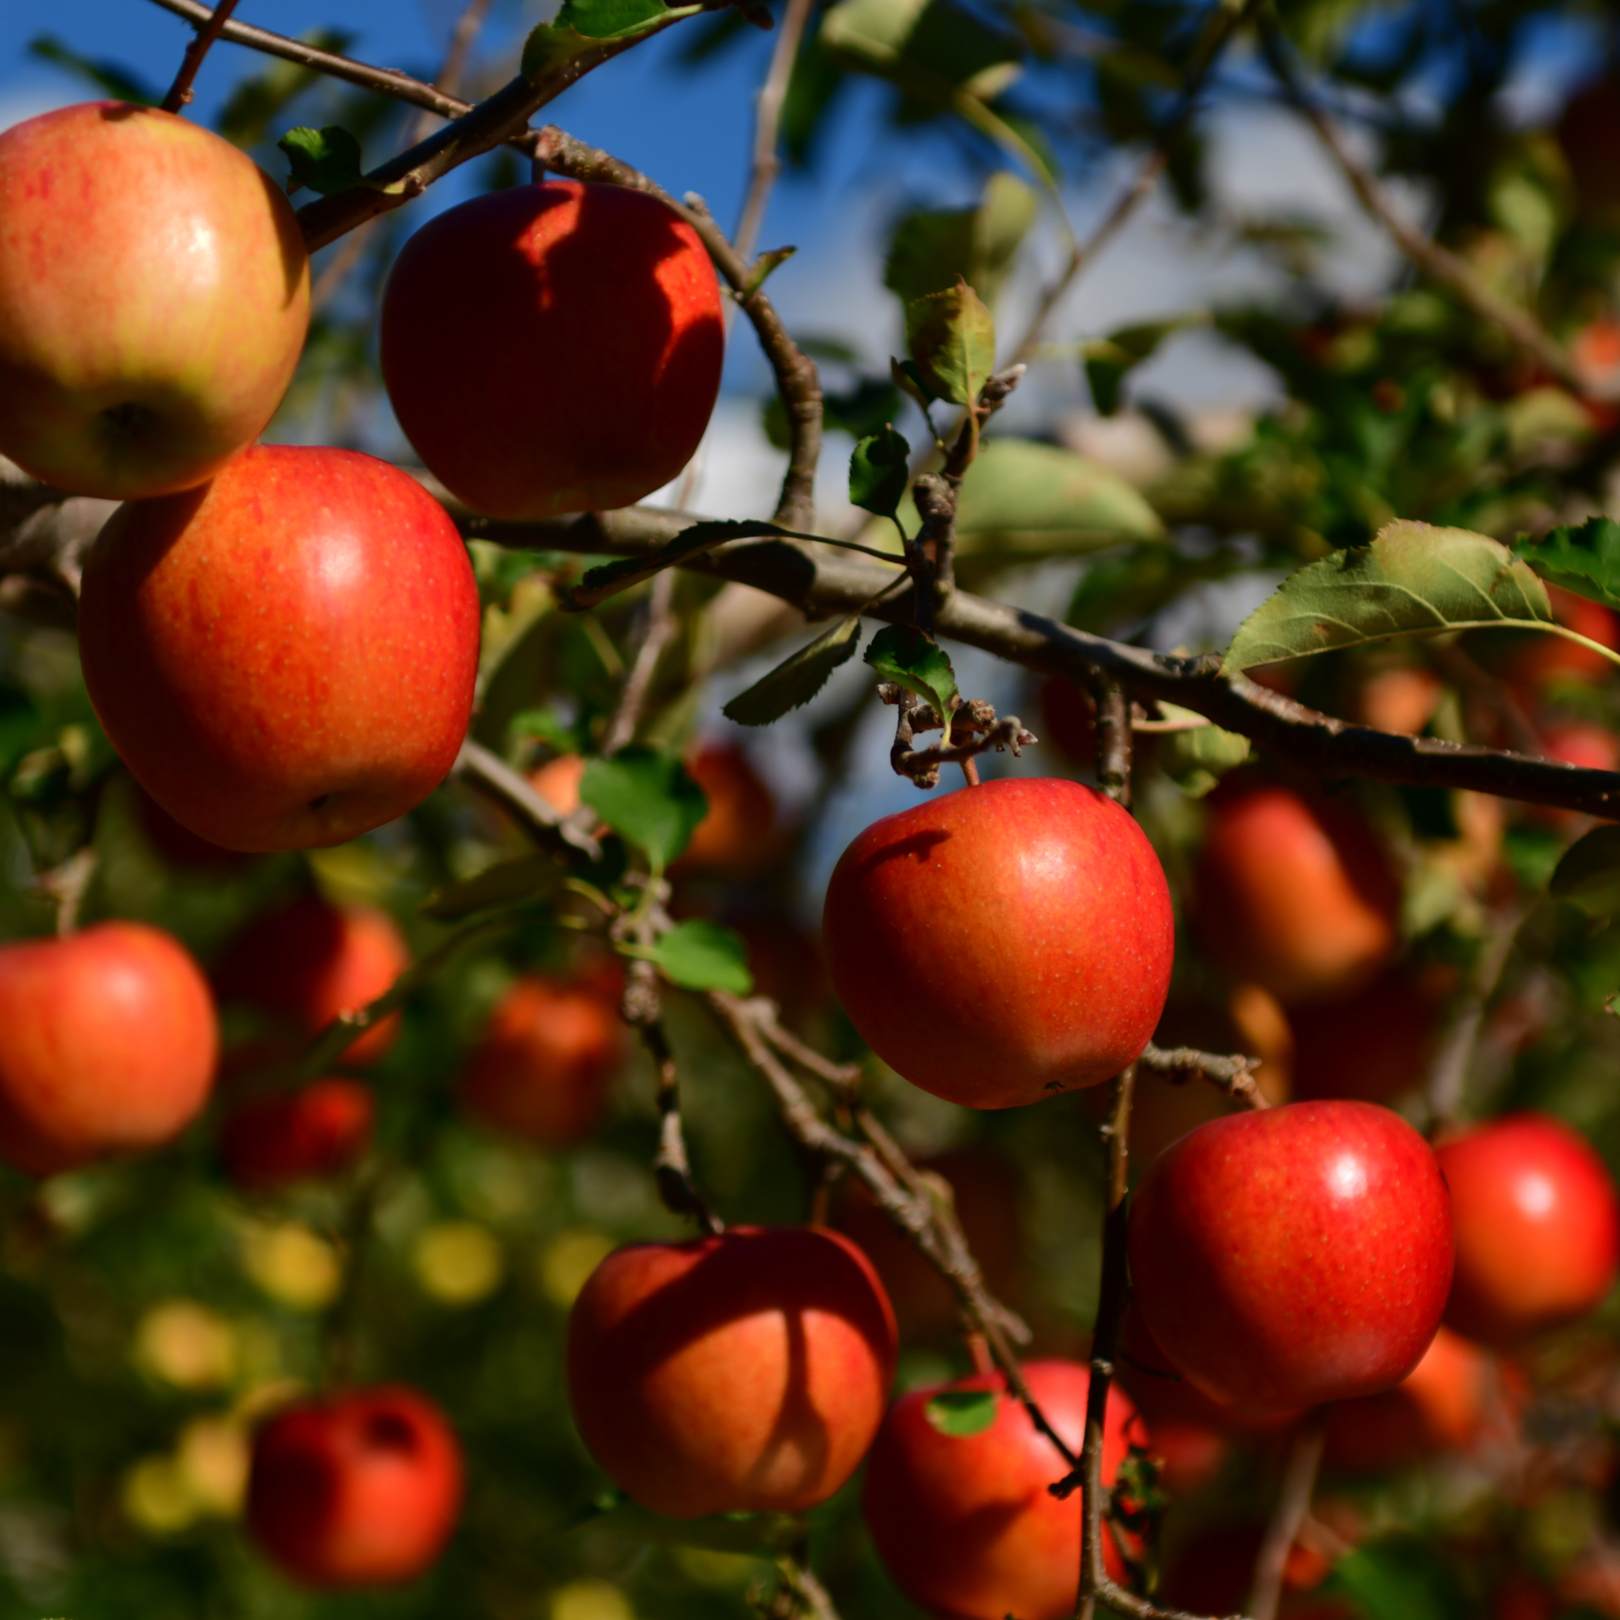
<point x="1234" y="1075"/>
<point x="180" y="92"/>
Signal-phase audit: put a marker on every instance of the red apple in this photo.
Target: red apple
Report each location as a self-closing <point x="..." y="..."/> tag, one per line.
<point x="965" y="1524"/>
<point x="310" y="962"/>
<point x="1400" y="698"/>
<point x="314" y="1132"/>
<point x="1293" y="1256"/>
<point x="1535" y="660"/>
<point x="582" y="374"/>
<point x="284" y="658"/>
<point x="1440" y="1406"/>
<point x="1069" y="718"/>
<point x="735" y="837"/>
<point x="107" y="1045"/>
<point x="557" y="782"/>
<point x="1538" y="1228"/>
<point x="1291" y="892"/>
<point x="1004" y="942"/>
<point x="154" y="295"/>
<point x="359" y="1489"/>
<point x="745" y="1372"/>
<point x="1576" y="742"/>
<point x="543" y="1065"/>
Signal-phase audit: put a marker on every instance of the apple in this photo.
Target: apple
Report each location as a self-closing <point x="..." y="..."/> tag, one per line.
<point x="108" y="1041"/>
<point x="1538" y="1228"/>
<point x="736" y="836"/>
<point x="964" y="1523"/>
<point x="582" y="374"/>
<point x="316" y="1131"/>
<point x="310" y="962"/>
<point x="557" y="782"/>
<point x="359" y="1489"/>
<point x="1400" y="698"/>
<point x="1004" y="942"/>
<point x="1293" y="1256"/>
<point x="1292" y="892"/>
<point x="154" y="296"/>
<point x="542" y="1068"/>
<point x="1535" y="660"/>
<point x="743" y="1372"/>
<point x="175" y="846"/>
<point x="1375" y="1044"/>
<point x="1440" y="1406"/>
<point x="284" y="658"/>
<point x="1068" y="718"/>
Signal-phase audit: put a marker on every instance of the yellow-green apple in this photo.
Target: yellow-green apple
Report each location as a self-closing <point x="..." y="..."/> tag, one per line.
<point x="1440" y="1406"/>
<point x="285" y="657"/>
<point x="1295" y="1255"/>
<point x="1538" y="1228"/>
<point x="319" y="1130"/>
<point x="581" y="375"/>
<point x="964" y="1523"/>
<point x="360" y="1489"/>
<point x="1004" y="942"/>
<point x="311" y="961"/>
<point x="154" y="295"/>
<point x="1293" y="893"/>
<point x="744" y="1372"/>
<point x="542" y="1067"/>
<point x="108" y="1041"/>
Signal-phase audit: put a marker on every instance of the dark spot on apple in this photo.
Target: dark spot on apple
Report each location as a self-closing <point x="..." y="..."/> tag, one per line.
<point x="129" y="420"/>
<point x="390" y="1431"/>
<point x="320" y="801"/>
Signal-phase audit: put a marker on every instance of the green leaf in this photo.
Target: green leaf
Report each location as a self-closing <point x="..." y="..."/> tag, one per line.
<point x="931" y="248"/>
<point x="952" y="340"/>
<point x="1584" y="557"/>
<point x="796" y="679"/>
<point x="1196" y="759"/>
<point x="111" y="77"/>
<point x="879" y="470"/>
<point x="609" y="19"/>
<point x="326" y="160"/>
<point x="1414" y="579"/>
<point x="917" y="662"/>
<point x="932" y="47"/>
<point x="702" y="955"/>
<point x="1038" y="499"/>
<point x="1405" y="1578"/>
<point x="545" y="724"/>
<point x="962" y="1412"/>
<point x="1589" y="873"/>
<point x="527" y="879"/>
<point x="608" y="579"/>
<point x="1108" y="361"/>
<point x="648" y="799"/>
<point x="909" y="380"/>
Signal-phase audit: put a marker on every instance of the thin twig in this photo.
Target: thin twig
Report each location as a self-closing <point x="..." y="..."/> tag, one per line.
<point x="766" y="164"/>
<point x="1232" y="1074"/>
<point x="1293" y="1504"/>
<point x="659" y="632"/>
<point x="1439" y="263"/>
<point x="1226" y="17"/>
<point x="180" y="92"/>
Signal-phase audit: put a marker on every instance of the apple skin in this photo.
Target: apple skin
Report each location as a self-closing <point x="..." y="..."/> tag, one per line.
<point x="108" y="1042"/>
<point x="736" y="836"/>
<point x="582" y="375"/>
<point x="1293" y="1256"/>
<point x="285" y="658"/>
<point x="309" y="962"/>
<point x="1004" y="942"/>
<point x="744" y="1372"/>
<point x="1538" y="1228"/>
<point x="360" y="1489"/>
<point x="1292" y="893"/>
<point x="154" y="296"/>
<point x="309" y="1134"/>
<point x="542" y="1068"/>
<point x="964" y="1524"/>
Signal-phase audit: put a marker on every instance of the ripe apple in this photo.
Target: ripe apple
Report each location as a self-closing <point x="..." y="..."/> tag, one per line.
<point x="310" y="961"/>
<point x="736" y="836"/>
<point x="1293" y="1256"/>
<point x="582" y="374"/>
<point x="284" y="658"/>
<point x="745" y="1372"/>
<point x="359" y="1489"/>
<point x="1069" y="718"/>
<point x="965" y="1524"/>
<point x="1291" y="892"/>
<point x="1004" y="942"/>
<point x="107" y="1045"/>
<point x="544" y="1063"/>
<point x="557" y="782"/>
<point x="1376" y="1043"/>
<point x="1400" y="698"/>
<point x="154" y="296"/>
<point x="1440" y="1406"/>
<point x="1538" y="1228"/>
<point x="314" y="1132"/>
